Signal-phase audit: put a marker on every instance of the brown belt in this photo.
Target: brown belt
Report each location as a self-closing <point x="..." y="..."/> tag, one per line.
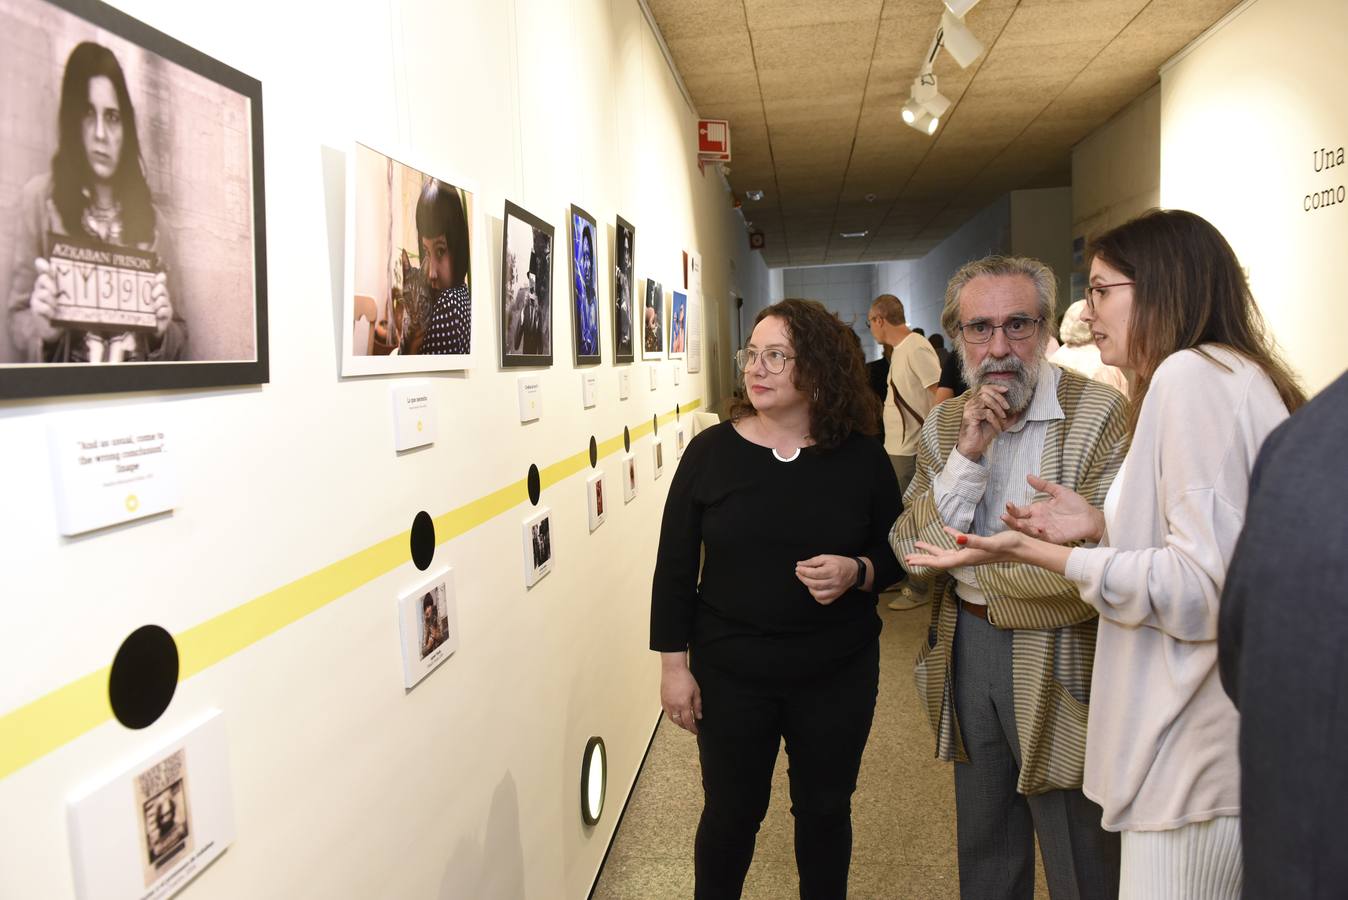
<point x="974" y="609"/>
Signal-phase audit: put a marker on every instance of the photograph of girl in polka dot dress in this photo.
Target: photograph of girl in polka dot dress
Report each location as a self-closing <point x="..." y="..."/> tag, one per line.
<point x="409" y="266"/>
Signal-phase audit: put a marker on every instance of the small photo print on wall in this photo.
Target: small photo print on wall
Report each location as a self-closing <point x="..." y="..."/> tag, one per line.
<point x="624" y="258"/>
<point x="584" y="288"/>
<point x="629" y="478"/>
<point x="165" y="815"/>
<point x="678" y="442"/>
<point x="658" y="450"/>
<point x="678" y="324"/>
<point x="133" y="239"/>
<point x="526" y="289"/>
<point x="653" y="329"/>
<point x="409" y="294"/>
<point x="537" y="546"/>
<point x="596" y="498"/>
<point x="428" y="624"/>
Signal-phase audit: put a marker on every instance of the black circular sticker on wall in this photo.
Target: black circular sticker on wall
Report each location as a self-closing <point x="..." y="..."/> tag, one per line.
<point x="144" y="676"/>
<point x="535" y="484"/>
<point x="423" y="540"/>
<point x="627" y="440"/>
<point x="594" y="452"/>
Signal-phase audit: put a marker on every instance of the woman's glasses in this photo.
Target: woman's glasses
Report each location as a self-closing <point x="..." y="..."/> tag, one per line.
<point x="1096" y="292"/>
<point x="773" y="360"/>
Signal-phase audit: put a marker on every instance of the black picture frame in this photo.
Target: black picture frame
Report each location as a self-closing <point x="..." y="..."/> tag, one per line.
<point x="538" y="251"/>
<point x="197" y="363"/>
<point x="585" y="324"/>
<point x="625" y="319"/>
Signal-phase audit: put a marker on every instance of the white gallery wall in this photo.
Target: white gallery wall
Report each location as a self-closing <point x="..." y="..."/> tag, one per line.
<point x="1251" y="118"/>
<point x="295" y="509"/>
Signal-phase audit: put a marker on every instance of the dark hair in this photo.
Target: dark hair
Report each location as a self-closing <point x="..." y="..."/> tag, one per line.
<point x="920" y="331"/>
<point x="829" y="370"/>
<point x="937" y="341"/>
<point x="1188" y="290"/>
<point x="70" y="164"/>
<point x="440" y="212"/>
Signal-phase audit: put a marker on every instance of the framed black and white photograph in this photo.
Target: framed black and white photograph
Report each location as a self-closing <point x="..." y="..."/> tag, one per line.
<point x="652" y="319"/>
<point x="629" y="478"/>
<point x="428" y="624"/>
<point x="409" y="283"/>
<point x="584" y="287"/>
<point x="624" y="290"/>
<point x="596" y="497"/>
<point x="526" y="289"/>
<point x="537" y="546"/>
<point x="132" y="238"/>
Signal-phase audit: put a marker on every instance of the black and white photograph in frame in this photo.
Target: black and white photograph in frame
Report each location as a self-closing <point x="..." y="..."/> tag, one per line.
<point x="652" y="322"/>
<point x="658" y="452"/>
<point x="151" y="826"/>
<point x="629" y="478"/>
<point x="584" y="287"/>
<point x="596" y="497"/>
<point x="537" y="546"/>
<point x="408" y="304"/>
<point x="526" y="289"/>
<point x="428" y="625"/>
<point x="624" y="290"/>
<point x="133" y="240"/>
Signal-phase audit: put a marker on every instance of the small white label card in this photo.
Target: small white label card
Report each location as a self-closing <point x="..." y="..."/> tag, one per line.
<point x="149" y="829"/>
<point x="678" y="378"/>
<point x="537" y="546"/>
<point x="658" y="446"/>
<point x="624" y="384"/>
<point x="110" y="469"/>
<point x="589" y="388"/>
<point x="413" y="416"/>
<point x="428" y="621"/>
<point x="596" y="497"/>
<point x="655" y="376"/>
<point x="531" y="398"/>
<point x="629" y="478"/>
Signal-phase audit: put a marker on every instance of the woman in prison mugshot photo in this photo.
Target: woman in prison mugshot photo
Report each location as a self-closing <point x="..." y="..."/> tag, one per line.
<point x="95" y="191"/>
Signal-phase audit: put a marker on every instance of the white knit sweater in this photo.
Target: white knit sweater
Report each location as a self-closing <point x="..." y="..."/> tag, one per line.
<point x="1161" y="740"/>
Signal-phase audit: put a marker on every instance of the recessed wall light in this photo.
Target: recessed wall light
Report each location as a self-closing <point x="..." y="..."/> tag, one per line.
<point x="593" y="781"/>
<point x="754" y="195"/>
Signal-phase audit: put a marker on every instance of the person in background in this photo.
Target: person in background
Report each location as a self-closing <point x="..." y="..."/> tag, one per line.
<point x="938" y="344"/>
<point x="1167" y="300"/>
<point x="877" y="372"/>
<point x="773" y="633"/>
<point x="1281" y="632"/>
<point x="1078" y="351"/>
<point x="914" y="371"/>
<point x="1004" y="673"/>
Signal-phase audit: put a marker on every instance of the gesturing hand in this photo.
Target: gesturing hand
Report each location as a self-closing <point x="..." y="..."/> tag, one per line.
<point x="985" y="417"/>
<point x="827" y="577"/>
<point x="1064" y="518"/>
<point x="973" y="550"/>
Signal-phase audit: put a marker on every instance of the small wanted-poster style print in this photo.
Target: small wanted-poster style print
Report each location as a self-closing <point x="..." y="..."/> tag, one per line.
<point x="165" y="815"/>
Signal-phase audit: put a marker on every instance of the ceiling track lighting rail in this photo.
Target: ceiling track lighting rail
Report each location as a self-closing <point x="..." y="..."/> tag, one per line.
<point x="926" y="105"/>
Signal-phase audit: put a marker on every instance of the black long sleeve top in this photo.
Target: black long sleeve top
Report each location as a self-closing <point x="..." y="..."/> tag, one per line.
<point x="756" y="517"/>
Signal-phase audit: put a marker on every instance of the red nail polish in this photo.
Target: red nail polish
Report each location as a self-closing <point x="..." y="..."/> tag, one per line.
<point x="962" y="539"/>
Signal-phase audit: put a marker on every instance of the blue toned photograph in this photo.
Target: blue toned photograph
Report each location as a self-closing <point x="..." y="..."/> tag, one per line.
<point x="584" y="293"/>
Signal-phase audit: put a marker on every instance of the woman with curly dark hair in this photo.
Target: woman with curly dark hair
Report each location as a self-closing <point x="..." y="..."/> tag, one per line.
<point x="791" y="502"/>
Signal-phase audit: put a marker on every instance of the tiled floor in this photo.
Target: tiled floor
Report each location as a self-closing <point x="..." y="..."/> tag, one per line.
<point x="903" y="813"/>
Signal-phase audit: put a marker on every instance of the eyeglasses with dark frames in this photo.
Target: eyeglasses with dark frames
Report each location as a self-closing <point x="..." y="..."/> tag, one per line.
<point x="1016" y="328"/>
<point x="1096" y="292"/>
<point x="773" y="360"/>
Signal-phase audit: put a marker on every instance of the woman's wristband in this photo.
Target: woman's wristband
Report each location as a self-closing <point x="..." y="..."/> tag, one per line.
<point x="861" y="573"/>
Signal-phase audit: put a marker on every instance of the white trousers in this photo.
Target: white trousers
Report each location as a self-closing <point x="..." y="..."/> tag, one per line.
<point x="1200" y="861"/>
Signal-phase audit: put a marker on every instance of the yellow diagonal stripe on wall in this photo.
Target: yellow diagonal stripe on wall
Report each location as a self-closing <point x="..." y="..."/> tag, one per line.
<point x="51" y="721"/>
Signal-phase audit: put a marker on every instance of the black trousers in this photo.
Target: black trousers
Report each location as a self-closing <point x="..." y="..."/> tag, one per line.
<point x="825" y="721"/>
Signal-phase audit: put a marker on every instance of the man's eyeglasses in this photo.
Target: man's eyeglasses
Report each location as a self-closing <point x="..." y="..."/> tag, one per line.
<point x="1016" y="328"/>
<point x="1096" y="292"/>
<point x="773" y="360"/>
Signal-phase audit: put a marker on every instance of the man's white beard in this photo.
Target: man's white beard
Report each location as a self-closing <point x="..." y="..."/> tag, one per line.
<point x="1019" y="390"/>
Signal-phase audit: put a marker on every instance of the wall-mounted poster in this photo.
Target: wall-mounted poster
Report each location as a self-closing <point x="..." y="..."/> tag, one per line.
<point x="629" y="478"/>
<point x="658" y="449"/>
<point x="595" y="496"/>
<point x="624" y="258"/>
<point x="653" y="329"/>
<point x="428" y="624"/>
<point x="678" y="324"/>
<point x="149" y="828"/>
<point x="133" y="233"/>
<point x="409" y="285"/>
<point x="584" y="287"/>
<point x="537" y="546"/>
<point x="526" y="289"/>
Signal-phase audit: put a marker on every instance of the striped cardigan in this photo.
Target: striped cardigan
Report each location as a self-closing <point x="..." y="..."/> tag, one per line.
<point x="1053" y="649"/>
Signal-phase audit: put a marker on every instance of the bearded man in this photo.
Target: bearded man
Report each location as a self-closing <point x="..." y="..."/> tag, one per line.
<point x="1005" y="670"/>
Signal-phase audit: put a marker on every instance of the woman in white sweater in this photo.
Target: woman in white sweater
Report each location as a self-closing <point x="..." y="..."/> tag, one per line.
<point x="1167" y="300"/>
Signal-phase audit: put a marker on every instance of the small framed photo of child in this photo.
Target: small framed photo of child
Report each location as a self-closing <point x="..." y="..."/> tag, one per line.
<point x="409" y="272"/>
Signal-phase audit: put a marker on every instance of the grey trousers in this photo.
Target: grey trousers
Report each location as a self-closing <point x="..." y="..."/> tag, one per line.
<point x="996" y="825"/>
